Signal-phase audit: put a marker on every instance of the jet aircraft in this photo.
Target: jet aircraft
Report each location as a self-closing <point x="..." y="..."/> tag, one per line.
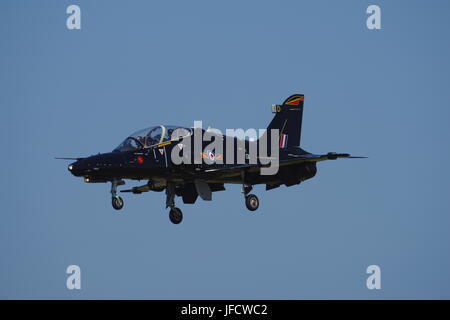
<point x="146" y="155"/>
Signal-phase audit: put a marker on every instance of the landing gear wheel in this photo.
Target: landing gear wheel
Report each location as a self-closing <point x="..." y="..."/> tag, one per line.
<point x="175" y="215"/>
<point x="117" y="202"/>
<point x="252" y="202"/>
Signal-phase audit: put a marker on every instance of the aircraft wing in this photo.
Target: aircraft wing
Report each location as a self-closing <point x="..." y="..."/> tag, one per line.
<point x="293" y="159"/>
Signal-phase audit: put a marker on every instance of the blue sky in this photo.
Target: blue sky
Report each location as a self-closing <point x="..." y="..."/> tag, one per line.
<point x="134" y="64"/>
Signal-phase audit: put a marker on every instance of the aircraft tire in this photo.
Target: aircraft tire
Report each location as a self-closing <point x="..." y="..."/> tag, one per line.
<point x="117" y="202"/>
<point x="252" y="202"/>
<point x="175" y="215"/>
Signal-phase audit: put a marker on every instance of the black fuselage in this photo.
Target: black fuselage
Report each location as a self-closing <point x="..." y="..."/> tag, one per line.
<point x="155" y="163"/>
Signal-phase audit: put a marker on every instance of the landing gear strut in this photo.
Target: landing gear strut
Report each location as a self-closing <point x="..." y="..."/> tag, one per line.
<point x="175" y="214"/>
<point x="116" y="201"/>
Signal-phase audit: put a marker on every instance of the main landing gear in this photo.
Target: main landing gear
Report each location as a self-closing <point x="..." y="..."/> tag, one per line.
<point x="116" y="201"/>
<point x="251" y="200"/>
<point x="175" y="214"/>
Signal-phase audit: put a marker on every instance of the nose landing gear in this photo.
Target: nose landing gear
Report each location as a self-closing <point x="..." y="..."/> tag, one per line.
<point x="116" y="201"/>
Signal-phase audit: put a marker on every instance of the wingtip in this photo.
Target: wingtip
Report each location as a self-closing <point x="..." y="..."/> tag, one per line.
<point x="64" y="158"/>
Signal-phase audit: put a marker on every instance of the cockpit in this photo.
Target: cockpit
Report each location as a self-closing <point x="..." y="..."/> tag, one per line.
<point x="149" y="137"/>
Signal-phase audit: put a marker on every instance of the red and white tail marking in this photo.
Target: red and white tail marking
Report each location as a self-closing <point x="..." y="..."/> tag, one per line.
<point x="283" y="140"/>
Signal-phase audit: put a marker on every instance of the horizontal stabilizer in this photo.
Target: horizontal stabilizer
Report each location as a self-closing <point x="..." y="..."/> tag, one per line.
<point x="316" y="158"/>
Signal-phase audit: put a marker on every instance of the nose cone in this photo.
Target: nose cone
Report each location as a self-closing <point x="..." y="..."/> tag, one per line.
<point x="75" y="168"/>
<point x="94" y="165"/>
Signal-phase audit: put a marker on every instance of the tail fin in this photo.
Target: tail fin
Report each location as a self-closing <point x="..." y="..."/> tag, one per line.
<point x="288" y="119"/>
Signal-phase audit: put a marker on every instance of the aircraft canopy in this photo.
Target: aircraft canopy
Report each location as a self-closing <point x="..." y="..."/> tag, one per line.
<point x="151" y="136"/>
